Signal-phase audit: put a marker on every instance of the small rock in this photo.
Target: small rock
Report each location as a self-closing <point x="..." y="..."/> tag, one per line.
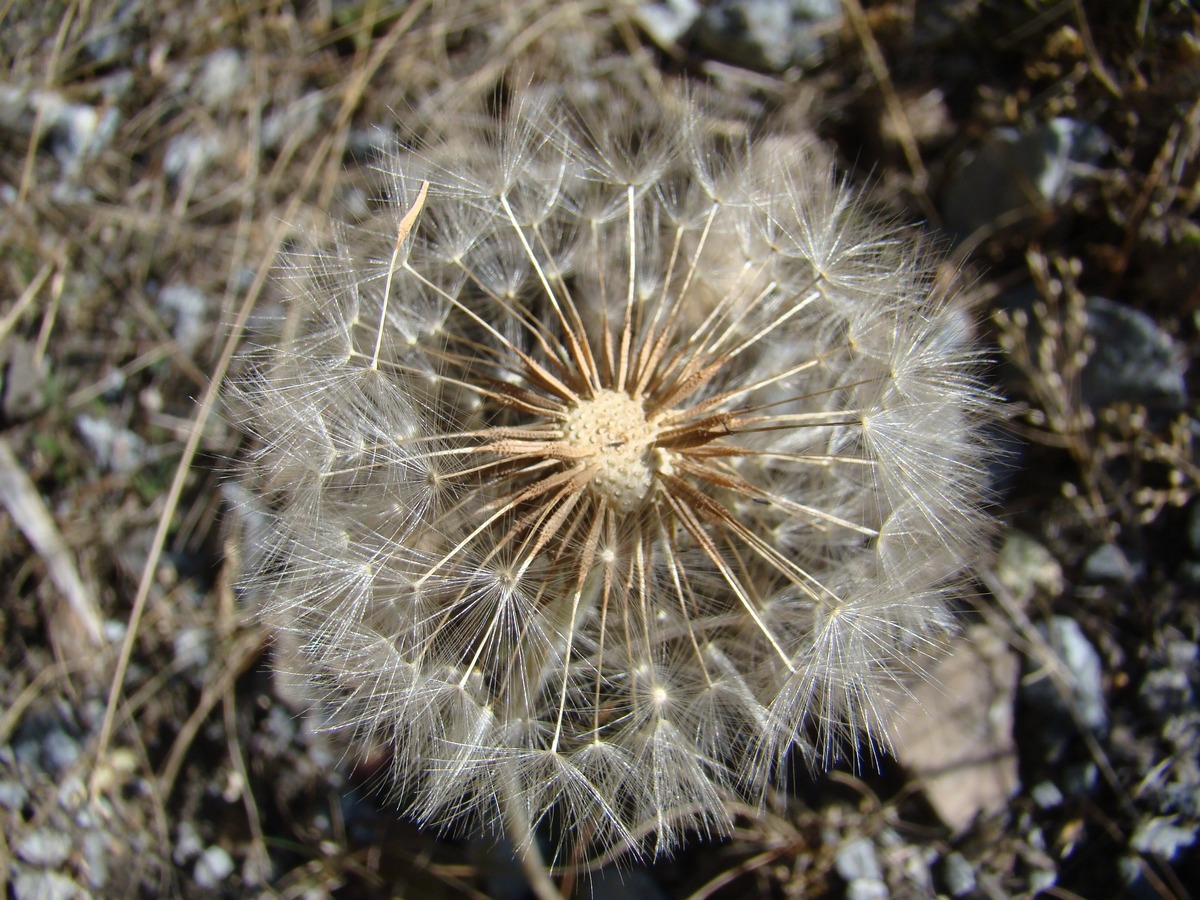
<point x="13" y="795"/>
<point x="1027" y="568"/>
<point x="863" y="889"/>
<point x="192" y="647"/>
<point x="956" y="734"/>
<point x="188" y="844"/>
<point x="72" y="793"/>
<point x="958" y="875"/>
<point x="1167" y="692"/>
<point x="768" y="35"/>
<point x="1046" y="795"/>
<point x="1042" y="880"/>
<point x="1084" y="667"/>
<point x="295" y="121"/>
<point x="222" y="74"/>
<point x="43" y="746"/>
<point x="114" y="449"/>
<point x="1134" y="361"/>
<point x="35" y="884"/>
<point x="856" y="860"/>
<point x="45" y="848"/>
<point x="114" y="43"/>
<point x="1108" y="564"/>
<point x="187" y="155"/>
<point x="1016" y="170"/>
<point x="22" y="379"/>
<point x="612" y="883"/>
<point x="1163" y="836"/>
<point x="185" y="308"/>
<point x="212" y="868"/>
<point x="1052" y="720"/>
<point x="666" y="21"/>
<point x="96" y="854"/>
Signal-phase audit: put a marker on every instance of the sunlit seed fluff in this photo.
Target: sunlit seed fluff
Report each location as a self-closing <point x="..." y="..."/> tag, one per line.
<point x="609" y="464"/>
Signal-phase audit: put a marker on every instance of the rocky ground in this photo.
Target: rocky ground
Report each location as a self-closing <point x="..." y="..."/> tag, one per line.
<point x="157" y="155"/>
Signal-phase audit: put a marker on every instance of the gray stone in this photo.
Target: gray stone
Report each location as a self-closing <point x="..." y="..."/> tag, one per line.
<point x="222" y="74"/>
<point x="1163" y="836"/>
<point x="1027" y="568"/>
<point x="768" y="35"/>
<point x="22" y="378"/>
<point x="12" y="795"/>
<point x="1058" y="697"/>
<point x="666" y="21"/>
<point x="185" y="309"/>
<point x="1046" y="795"/>
<point x="1167" y="692"/>
<point x="96" y="853"/>
<point x="856" y="859"/>
<point x="114" y="449"/>
<point x="294" y="121"/>
<point x="212" y="868"/>
<point x="1108" y="564"/>
<point x="958" y="874"/>
<point x="35" y="884"/>
<point x="187" y="155"/>
<point x="1083" y="668"/>
<point x="45" y="847"/>
<point x="1017" y="172"/>
<point x="1133" y="361"/>
<point x="188" y="844"/>
<point x="867" y="889"/>
<point x="612" y="883"/>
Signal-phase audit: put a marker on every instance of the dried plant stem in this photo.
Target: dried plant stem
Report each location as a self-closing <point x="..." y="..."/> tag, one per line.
<point x="524" y="841"/>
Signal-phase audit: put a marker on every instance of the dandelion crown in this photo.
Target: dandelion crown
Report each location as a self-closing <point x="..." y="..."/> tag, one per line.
<point x="609" y="464"/>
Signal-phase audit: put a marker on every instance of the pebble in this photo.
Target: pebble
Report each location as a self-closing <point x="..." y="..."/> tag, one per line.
<point x="42" y="745"/>
<point x="1163" y="836"/>
<point x="44" y="847"/>
<point x="187" y="155"/>
<point x="297" y="120"/>
<point x="185" y="308"/>
<point x="222" y="74"/>
<point x="1027" y="568"/>
<point x="35" y="884"/>
<point x="96" y="853"/>
<point x="667" y="21"/>
<point x="612" y="883"/>
<point x="73" y="132"/>
<point x="12" y="795"/>
<point x="1083" y="666"/>
<point x="1134" y="361"/>
<point x="212" y="868"/>
<point x="1014" y="168"/>
<point x="958" y="874"/>
<point x="1109" y="564"/>
<point x="858" y="866"/>
<point x="114" y="449"/>
<point x="1046" y="795"/>
<point x="188" y="844"/>
<point x="767" y="35"/>
<point x="22" y="379"/>
<point x="1048" y="727"/>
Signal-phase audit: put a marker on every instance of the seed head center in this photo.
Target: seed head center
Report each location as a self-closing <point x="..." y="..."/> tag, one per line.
<point x="611" y="432"/>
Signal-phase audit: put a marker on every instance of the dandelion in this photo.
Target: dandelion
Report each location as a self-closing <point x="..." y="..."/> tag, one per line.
<point x="611" y="464"/>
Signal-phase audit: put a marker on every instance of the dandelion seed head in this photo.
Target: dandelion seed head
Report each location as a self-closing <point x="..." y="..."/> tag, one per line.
<point x="609" y="465"/>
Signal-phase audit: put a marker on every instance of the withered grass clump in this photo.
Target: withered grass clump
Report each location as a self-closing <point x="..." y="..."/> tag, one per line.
<point x="644" y="455"/>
